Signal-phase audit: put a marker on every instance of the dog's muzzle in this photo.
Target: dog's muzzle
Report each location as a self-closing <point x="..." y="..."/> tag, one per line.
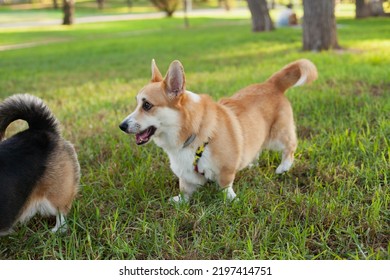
<point x="128" y="125"/>
<point x="124" y="126"/>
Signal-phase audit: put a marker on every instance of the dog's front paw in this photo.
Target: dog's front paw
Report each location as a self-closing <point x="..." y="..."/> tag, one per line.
<point x="280" y="169"/>
<point x="230" y="195"/>
<point x="178" y="199"/>
<point x="283" y="167"/>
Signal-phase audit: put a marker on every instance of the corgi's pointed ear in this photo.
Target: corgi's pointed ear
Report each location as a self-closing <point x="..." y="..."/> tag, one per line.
<point x="156" y="74"/>
<point x="175" y="80"/>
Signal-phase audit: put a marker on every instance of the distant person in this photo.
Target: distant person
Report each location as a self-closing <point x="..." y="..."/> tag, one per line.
<point x="287" y="17"/>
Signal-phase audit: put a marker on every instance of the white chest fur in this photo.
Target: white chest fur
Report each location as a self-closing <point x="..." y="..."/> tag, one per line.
<point x="181" y="159"/>
<point x="182" y="165"/>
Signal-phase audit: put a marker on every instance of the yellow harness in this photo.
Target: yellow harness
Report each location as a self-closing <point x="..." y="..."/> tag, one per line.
<point x="198" y="155"/>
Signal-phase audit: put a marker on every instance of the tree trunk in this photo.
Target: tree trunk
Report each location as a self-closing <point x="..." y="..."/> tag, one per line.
<point x="55" y="4"/>
<point x="68" y="12"/>
<point x="319" y="25"/>
<point x="273" y="4"/>
<point x="376" y="8"/>
<point x="367" y="8"/>
<point x="187" y="7"/>
<point x="261" y="20"/>
<point x="362" y="9"/>
<point x="100" y="4"/>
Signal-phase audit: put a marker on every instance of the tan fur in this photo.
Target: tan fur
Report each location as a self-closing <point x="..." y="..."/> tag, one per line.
<point x="59" y="184"/>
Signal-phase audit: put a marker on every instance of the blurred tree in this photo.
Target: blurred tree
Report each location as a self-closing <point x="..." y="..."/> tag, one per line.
<point x="362" y="9"/>
<point x="319" y="25"/>
<point x="366" y="8"/>
<point x="68" y="8"/>
<point x="100" y="4"/>
<point x="55" y="4"/>
<point x="167" y="6"/>
<point x="261" y="20"/>
<point x="187" y="7"/>
<point x="226" y="4"/>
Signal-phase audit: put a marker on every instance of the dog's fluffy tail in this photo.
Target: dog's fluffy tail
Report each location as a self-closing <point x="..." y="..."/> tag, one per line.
<point x="297" y="73"/>
<point x="29" y="108"/>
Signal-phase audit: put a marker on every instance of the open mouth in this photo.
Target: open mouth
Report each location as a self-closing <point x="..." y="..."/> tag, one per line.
<point x="144" y="136"/>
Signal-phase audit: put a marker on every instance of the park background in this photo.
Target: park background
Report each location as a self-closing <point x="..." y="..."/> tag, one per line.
<point x="333" y="203"/>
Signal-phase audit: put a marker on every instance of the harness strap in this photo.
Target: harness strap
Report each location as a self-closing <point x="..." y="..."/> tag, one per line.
<point x="198" y="155"/>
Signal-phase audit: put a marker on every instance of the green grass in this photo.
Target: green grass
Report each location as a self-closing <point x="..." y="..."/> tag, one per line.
<point x="333" y="204"/>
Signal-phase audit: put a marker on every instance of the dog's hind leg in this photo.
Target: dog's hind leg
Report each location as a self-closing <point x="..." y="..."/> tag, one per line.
<point x="6" y="232"/>
<point x="255" y="161"/>
<point x="284" y="138"/>
<point x="287" y="161"/>
<point x="61" y="225"/>
<point x="289" y="145"/>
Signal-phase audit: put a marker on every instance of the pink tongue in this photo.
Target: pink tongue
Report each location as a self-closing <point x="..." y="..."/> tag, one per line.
<point x="141" y="137"/>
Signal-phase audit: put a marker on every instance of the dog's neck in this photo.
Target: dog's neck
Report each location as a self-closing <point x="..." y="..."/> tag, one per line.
<point x="194" y="129"/>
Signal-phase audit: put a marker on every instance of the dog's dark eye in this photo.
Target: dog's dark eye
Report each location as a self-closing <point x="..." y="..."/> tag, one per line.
<point x="147" y="106"/>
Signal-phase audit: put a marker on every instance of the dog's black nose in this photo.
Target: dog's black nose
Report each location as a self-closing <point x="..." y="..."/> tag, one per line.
<point x="123" y="126"/>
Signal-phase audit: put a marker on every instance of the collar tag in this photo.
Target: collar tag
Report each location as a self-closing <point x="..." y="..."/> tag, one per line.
<point x="189" y="140"/>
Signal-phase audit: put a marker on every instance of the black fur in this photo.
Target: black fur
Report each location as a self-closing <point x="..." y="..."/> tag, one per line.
<point x="24" y="156"/>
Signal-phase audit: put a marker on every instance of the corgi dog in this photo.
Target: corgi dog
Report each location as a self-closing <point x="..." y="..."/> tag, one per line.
<point x="208" y="140"/>
<point x="39" y="170"/>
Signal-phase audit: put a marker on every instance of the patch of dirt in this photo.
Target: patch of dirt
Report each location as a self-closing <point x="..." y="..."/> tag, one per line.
<point x="305" y="132"/>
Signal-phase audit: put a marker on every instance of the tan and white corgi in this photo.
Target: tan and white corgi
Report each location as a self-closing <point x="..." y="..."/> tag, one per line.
<point x="207" y="140"/>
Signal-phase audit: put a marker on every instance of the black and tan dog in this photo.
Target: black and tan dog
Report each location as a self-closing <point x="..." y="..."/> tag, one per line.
<point x="39" y="170"/>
